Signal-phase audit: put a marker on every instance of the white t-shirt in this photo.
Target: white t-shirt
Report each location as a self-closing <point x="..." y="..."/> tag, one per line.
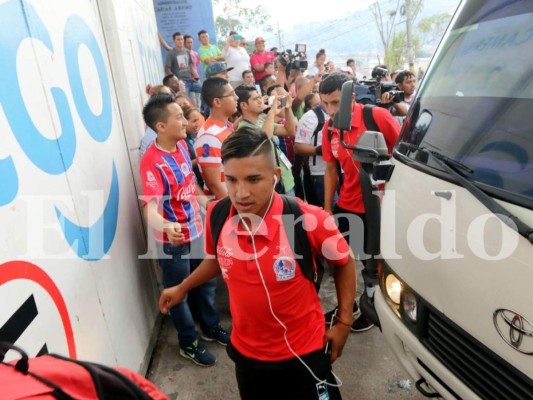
<point x="304" y="135"/>
<point x="238" y="58"/>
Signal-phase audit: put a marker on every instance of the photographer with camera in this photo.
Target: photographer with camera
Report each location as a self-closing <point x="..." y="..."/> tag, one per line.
<point x="291" y="66"/>
<point x="406" y="82"/>
<point x="374" y="91"/>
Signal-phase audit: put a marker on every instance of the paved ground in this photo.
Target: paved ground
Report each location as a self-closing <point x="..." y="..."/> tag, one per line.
<point x="366" y="368"/>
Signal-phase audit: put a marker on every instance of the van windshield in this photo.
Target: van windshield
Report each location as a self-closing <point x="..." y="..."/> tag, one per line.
<point x="475" y="105"/>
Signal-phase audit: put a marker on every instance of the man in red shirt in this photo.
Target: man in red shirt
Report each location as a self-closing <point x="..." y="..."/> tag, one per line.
<point x="258" y="59"/>
<point x="171" y="208"/>
<point x="349" y="210"/>
<point x="278" y="336"/>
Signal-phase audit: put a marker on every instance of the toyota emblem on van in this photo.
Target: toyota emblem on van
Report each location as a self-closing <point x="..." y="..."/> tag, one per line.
<point x="515" y="329"/>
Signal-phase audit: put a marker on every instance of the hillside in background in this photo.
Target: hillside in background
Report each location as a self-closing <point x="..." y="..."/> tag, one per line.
<point x="356" y="35"/>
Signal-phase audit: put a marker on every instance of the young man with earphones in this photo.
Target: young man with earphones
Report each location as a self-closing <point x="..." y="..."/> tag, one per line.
<point x="284" y="356"/>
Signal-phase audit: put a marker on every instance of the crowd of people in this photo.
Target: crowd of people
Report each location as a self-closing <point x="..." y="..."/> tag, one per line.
<point x="256" y="137"/>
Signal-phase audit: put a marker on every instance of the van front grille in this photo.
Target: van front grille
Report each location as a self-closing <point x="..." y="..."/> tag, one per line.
<point x="483" y="371"/>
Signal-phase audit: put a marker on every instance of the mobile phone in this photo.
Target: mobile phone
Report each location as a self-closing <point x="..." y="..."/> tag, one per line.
<point x="271" y="100"/>
<point x="237" y="37"/>
<point x="283" y="101"/>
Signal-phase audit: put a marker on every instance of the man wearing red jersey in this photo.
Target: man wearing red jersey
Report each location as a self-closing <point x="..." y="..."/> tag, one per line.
<point x="349" y="205"/>
<point x="283" y="356"/>
<point x="258" y="59"/>
<point x="172" y="210"/>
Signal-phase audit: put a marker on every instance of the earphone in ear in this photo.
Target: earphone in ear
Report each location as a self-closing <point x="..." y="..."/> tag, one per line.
<point x="275" y="180"/>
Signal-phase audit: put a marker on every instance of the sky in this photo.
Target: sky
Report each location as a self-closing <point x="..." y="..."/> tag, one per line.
<point x="298" y="12"/>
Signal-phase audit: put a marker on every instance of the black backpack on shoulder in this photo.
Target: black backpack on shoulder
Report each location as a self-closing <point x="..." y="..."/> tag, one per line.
<point x="300" y="247"/>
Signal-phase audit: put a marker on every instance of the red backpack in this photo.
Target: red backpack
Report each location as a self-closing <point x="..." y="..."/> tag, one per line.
<point x="52" y="376"/>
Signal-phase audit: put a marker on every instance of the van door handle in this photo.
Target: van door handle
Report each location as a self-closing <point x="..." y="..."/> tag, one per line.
<point x="446" y="194"/>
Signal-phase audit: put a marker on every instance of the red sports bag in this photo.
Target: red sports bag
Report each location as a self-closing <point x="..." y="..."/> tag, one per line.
<point x="52" y="376"/>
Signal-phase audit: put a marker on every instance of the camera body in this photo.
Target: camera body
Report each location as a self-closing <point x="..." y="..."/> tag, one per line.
<point x="294" y="60"/>
<point x="370" y="91"/>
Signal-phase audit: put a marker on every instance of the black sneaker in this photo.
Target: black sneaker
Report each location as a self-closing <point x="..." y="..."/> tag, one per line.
<point x="361" y="324"/>
<point x="217" y="334"/>
<point x="330" y="314"/>
<point x="198" y="355"/>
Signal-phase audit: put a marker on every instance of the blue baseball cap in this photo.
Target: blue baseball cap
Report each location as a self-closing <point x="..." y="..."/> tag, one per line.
<point x="216" y="68"/>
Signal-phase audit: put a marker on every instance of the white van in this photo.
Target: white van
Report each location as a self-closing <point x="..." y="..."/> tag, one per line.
<point x="455" y="297"/>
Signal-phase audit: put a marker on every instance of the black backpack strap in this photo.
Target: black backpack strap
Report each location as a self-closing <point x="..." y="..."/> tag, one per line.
<point x="301" y="241"/>
<point x="368" y="118"/>
<point x="108" y="382"/>
<point x="330" y="135"/>
<point x="219" y="214"/>
<point x="320" y="115"/>
<point x="330" y="129"/>
<point x="279" y="185"/>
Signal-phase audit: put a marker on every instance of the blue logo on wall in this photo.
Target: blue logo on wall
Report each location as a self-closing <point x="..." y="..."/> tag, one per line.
<point x="55" y="156"/>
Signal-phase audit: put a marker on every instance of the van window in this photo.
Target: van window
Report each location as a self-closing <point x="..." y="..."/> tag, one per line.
<point x="475" y="104"/>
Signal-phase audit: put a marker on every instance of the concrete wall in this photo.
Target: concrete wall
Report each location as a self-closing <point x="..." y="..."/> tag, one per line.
<point x="72" y="277"/>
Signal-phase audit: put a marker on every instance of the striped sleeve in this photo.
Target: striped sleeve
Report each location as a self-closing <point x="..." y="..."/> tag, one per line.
<point x="208" y="151"/>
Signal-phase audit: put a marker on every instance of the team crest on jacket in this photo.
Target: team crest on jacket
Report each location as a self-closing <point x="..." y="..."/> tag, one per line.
<point x="285" y="268"/>
<point x="185" y="169"/>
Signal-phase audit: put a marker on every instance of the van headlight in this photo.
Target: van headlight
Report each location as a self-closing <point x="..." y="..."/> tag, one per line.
<point x="393" y="288"/>
<point x="400" y="297"/>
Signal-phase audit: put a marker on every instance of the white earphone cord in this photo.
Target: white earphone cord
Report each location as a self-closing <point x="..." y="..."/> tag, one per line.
<point x="252" y="235"/>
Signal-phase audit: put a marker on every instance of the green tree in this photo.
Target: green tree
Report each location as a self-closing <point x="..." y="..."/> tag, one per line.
<point x="387" y="21"/>
<point x="231" y="15"/>
<point x="397" y="56"/>
<point x="432" y="28"/>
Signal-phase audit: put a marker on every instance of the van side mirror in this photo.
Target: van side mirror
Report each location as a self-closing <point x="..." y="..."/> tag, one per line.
<point x="370" y="148"/>
<point x="342" y="119"/>
<point x="372" y="152"/>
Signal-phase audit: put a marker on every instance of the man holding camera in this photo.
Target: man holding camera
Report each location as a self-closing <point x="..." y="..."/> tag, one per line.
<point x="406" y="82"/>
<point x="258" y="59"/>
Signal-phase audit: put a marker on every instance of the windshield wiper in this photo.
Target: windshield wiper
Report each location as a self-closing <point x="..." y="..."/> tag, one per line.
<point x="454" y="167"/>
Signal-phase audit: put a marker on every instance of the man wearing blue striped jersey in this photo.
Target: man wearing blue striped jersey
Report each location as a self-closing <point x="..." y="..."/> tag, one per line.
<point x="171" y="199"/>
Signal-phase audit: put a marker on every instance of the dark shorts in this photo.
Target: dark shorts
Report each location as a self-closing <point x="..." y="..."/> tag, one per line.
<point x="288" y="379"/>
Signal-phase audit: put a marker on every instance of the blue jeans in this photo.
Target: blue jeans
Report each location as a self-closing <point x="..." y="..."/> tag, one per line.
<point x="318" y="189"/>
<point x="192" y="86"/>
<point x="200" y="301"/>
<point x="193" y="89"/>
